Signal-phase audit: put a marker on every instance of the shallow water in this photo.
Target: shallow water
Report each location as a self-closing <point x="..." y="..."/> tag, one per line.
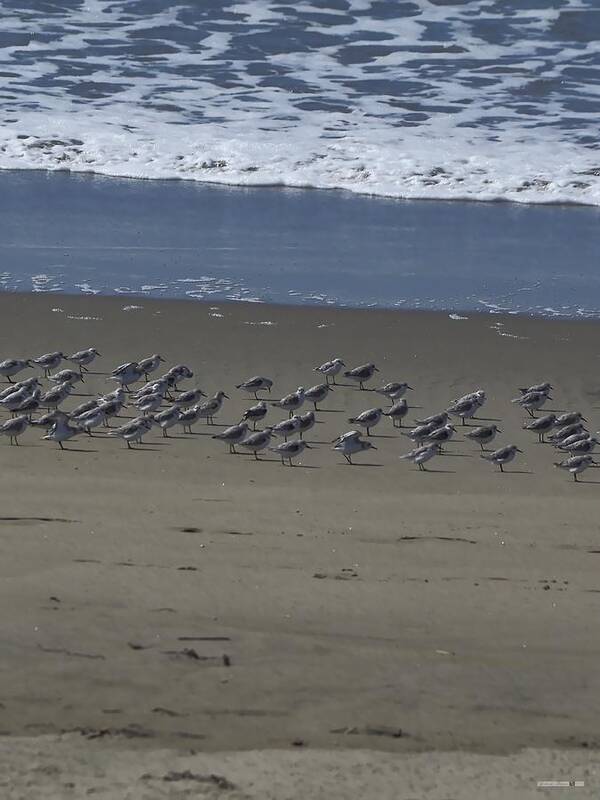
<point x="61" y="233"/>
<point x="484" y="99"/>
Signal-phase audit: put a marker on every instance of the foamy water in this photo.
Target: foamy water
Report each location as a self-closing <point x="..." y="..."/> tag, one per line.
<point x="483" y="100"/>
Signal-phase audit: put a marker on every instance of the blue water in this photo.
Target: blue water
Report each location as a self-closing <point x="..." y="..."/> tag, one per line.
<point x="485" y="99"/>
<point x="172" y="239"/>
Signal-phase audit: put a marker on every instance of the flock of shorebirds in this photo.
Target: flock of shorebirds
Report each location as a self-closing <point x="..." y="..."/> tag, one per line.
<point x="160" y="402"/>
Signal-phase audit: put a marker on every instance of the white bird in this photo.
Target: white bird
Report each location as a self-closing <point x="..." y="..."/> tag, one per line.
<point x="61" y="431"/>
<point x="576" y="464"/>
<point x="290" y="450"/>
<point x="83" y="358"/>
<point x="305" y="422"/>
<point x="478" y="396"/>
<point x="567" y="430"/>
<point x="134" y="430"/>
<point x="287" y="427"/>
<point x="361" y="374"/>
<point x="66" y="376"/>
<point x="437" y="420"/>
<point x="441" y="435"/>
<point x="395" y="390"/>
<point x="12" y="401"/>
<point x="149" y="403"/>
<point x="541" y="425"/>
<point x="190" y="398"/>
<point x="83" y="408"/>
<point x="48" y="420"/>
<point x="483" y="435"/>
<point x="233" y="435"/>
<point x="257" y="441"/>
<point x="91" y="419"/>
<point x="13" y="428"/>
<point x="581" y="446"/>
<point x="256" y="384"/>
<point x="397" y="412"/>
<point x="330" y="368"/>
<point x="255" y="413"/>
<point x="179" y="372"/>
<point x="11" y="366"/>
<point x="30" y="404"/>
<point x="30" y="383"/>
<point x="347" y="435"/>
<point x="569" y="418"/>
<point x="576" y="437"/>
<point x="545" y="387"/>
<point x="316" y="394"/>
<point x="150" y="364"/>
<point x="367" y="419"/>
<point x="127" y="374"/>
<point x="111" y="408"/>
<point x="291" y="402"/>
<point x="189" y="417"/>
<point x="465" y="409"/>
<point x="212" y="406"/>
<point x="420" y="455"/>
<point x="167" y="418"/>
<point x="532" y="401"/>
<point x="48" y="361"/>
<point x="161" y="387"/>
<point x="54" y="397"/>
<point x="421" y="432"/>
<point x="118" y="395"/>
<point x="502" y="456"/>
<point x="349" y="444"/>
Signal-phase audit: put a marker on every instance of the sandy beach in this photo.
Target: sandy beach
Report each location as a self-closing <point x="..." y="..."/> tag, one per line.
<point x="176" y="608"/>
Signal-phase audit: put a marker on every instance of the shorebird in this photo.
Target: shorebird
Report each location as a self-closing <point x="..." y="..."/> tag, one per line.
<point x="397" y="412"/>
<point x="478" y="396"/>
<point x="30" y="383"/>
<point x="575" y="437"/>
<point x="48" y="420"/>
<point x="57" y="395"/>
<point x="127" y="374"/>
<point x="161" y="387"/>
<point x="83" y="357"/>
<point x="421" y="432"/>
<point x="255" y="413"/>
<point x="189" y="417"/>
<point x="570" y="418"/>
<point x="11" y="366"/>
<point x="167" y="418"/>
<point x="544" y="388"/>
<point x="441" y="435"/>
<point x="420" y="455"/>
<point x="394" y="391"/>
<point x="581" y="446"/>
<point x="149" y="403"/>
<point x="290" y="450"/>
<point x="133" y="431"/>
<point x="483" y="435"/>
<point x="330" y="368"/>
<point x="13" y="428"/>
<point x="577" y="464"/>
<point x="212" y="406"/>
<point x="351" y="443"/>
<point x="291" y="402"/>
<point x="465" y="409"/>
<point x="532" y="401"/>
<point x="502" y="456"/>
<point x="150" y="364"/>
<point x="257" y="441"/>
<point x="48" y="361"/>
<point x="179" y="372"/>
<point x="305" y="422"/>
<point x="111" y="408"/>
<point x="316" y="394"/>
<point x="541" y="425"/>
<point x="66" y="376"/>
<point x="93" y="418"/>
<point x="119" y="395"/>
<point x="12" y="401"/>
<point x="30" y="404"/>
<point x="567" y="430"/>
<point x="437" y="420"/>
<point x="367" y="419"/>
<point x="83" y="408"/>
<point x="361" y="374"/>
<point x="190" y="398"/>
<point x="287" y="427"/>
<point x="61" y="431"/>
<point x="256" y="384"/>
<point x="233" y="435"/>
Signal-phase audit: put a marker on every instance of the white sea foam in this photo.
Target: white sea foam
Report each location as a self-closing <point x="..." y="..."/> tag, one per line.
<point x="482" y="100"/>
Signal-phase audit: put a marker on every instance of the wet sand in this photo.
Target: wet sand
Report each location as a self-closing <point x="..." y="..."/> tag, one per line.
<point x="176" y="597"/>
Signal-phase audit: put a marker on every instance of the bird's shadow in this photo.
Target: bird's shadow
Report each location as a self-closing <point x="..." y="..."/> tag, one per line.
<point x="77" y="450"/>
<point x="356" y="464"/>
<point x="585" y="480"/>
<point x="429" y="470"/>
<point x="456" y="455"/>
<point x="517" y="472"/>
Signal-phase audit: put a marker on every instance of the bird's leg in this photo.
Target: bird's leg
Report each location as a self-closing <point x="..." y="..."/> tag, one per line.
<point x="368" y="432"/>
<point x="60" y="444"/>
<point x="501" y="468"/>
<point x="165" y="434"/>
<point x="128" y="445"/>
<point x="575" y="477"/>
<point x="361" y="385"/>
<point x="482" y="447"/>
<point x="255" y="396"/>
<point x="256" y="456"/>
<point x="291" y="465"/>
<point x="315" y="405"/>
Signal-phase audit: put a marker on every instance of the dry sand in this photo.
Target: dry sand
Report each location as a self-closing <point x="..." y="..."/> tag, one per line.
<point x="450" y="617"/>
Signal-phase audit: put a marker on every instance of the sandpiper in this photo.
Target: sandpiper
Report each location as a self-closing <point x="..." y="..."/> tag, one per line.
<point x="465" y="409"/>
<point x="367" y="419"/>
<point x="502" y="456"/>
<point x="83" y="357"/>
<point x="127" y="374"/>
<point x="394" y="391"/>
<point x="149" y="403"/>
<point x="420" y="455"/>
<point x="66" y="376"/>
<point x="361" y="374"/>
<point x="330" y="368"/>
<point x="133" y="431"/>
<point x="190" y="398"/>
<point x="581" y="446"/>
<point x="61" y="431"/>
<point x="291" y="402"/>
<point x="287" y="427"/>
<point x="532" y="401"/>
<point x="256" y="384"/>
<point x="13" y="428"/>
<point x="93" y="418"/>
<point x="255" y="413"/>
<point x="212" y="406"/>
<point x="437" y="420"/>
<point x="483" y="435"/>
<point x="167" y="418"/>
<point x="189" y="417"/>
<point x="316" y="394"/>
<point x="233" y="435"/>
<point x="541" y="425"/>
<point x="305" y="422"/>
<point x="150" y="364"/>
<point x="351" y="443"/>
<point x="57" y="395"/>
<point x="569" y="418"/>
<point x="563" y="433"/>
<point x="257" y="441"/>
<point x="397" y="412"/>
<point x="421" y="432"/>
<point x="48" y="361"/>
<point x="441" y="435"/>
<point x="290" y="450"/>
<point x="83" y="408"/>
<point x="545" y="388"/>
<point x="577" y="464"/>
<point x="11" y="366"/>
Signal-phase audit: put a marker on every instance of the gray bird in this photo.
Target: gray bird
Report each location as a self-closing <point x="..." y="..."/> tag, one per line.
<point x="483" y="435"/>
<point x="361" y="374"/>
<point x="541" y="425"/>
<point x="233" y="435"/>
<point x="397" y="412"/>
<point x="502" y="456"/>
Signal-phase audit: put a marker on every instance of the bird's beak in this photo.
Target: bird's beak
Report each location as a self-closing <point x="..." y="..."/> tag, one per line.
<point x="82" y="379"/>
<point x="343" y="364"/>
<point x="498" y="430"/>
<point x="584" y="419"/>
<point x="160" y="358"/>
<point x="226" y="395"/>
<point x="550" y="398"/>
<point x="202" y="394"/>
<point x="308" y="446"/>
<point x="376" y="370"/>
<point x="373" y="447"/>
<point x="519" y="451"/>
<point x="410" y="387"/>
